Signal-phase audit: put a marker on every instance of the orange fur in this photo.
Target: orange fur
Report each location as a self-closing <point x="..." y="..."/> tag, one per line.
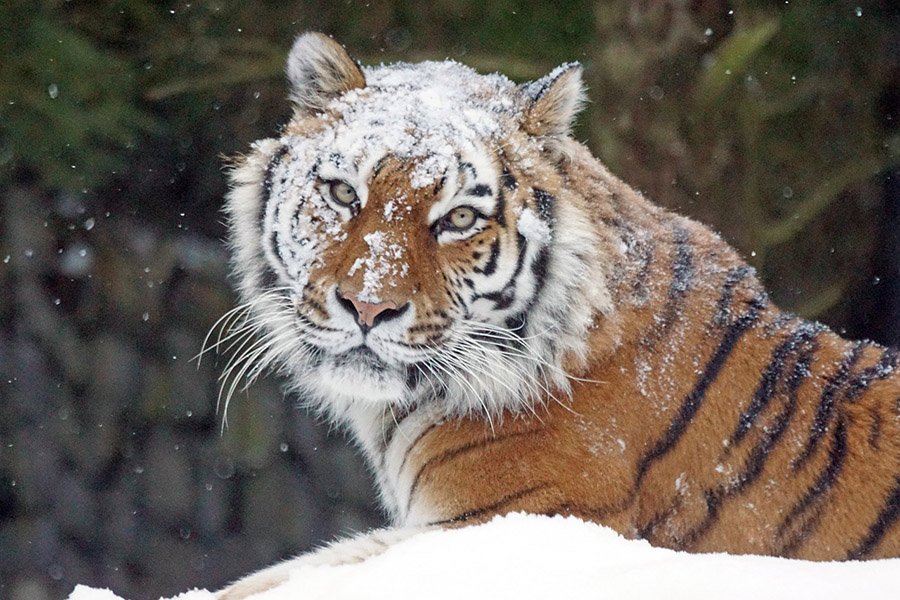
<point x="589" y="456"/>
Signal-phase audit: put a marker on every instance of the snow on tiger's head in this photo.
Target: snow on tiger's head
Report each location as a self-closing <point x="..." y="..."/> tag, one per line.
<point x="407" y="236"/>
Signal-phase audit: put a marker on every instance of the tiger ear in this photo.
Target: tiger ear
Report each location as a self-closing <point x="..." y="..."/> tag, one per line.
<point x="319" y="70"/>
<point x="553" y="101"/>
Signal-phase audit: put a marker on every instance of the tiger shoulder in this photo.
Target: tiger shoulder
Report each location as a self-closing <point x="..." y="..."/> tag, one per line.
<point x="503" y="325"/>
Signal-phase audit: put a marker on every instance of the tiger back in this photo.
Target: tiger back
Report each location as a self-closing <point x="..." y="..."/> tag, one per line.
<point x="503" y="325"/>
<point x="718" y="424"/>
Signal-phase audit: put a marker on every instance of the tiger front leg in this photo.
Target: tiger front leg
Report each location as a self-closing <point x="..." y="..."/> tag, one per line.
<point x="341" y="552"/>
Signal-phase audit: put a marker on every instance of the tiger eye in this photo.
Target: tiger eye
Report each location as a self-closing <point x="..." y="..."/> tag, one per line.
<point x="342" y="193"/>
<point x="461" y="217"/>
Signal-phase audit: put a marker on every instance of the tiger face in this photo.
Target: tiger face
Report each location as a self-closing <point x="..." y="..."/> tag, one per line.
<point x="405" y="240"/>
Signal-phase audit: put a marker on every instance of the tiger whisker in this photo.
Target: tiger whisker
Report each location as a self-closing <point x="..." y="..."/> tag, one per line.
<point x="241" y="361"/>
<point x="494" y="331"/>
<point x="539" y="379"/>
<point x="427" y="378"/>
<point x="227" y="321"/>
<point x="475" y="366"/>
<point x="455" y="376"/>
<point x="528" y="378"/>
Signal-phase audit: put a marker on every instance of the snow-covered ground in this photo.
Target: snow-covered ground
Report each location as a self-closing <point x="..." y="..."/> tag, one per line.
<point x="526" y="556"/>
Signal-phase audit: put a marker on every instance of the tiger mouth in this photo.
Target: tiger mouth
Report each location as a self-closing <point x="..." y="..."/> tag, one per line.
<point x="362" y="356"/>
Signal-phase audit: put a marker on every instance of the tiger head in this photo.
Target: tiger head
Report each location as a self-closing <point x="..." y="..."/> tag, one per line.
<point x="410" y="238"/>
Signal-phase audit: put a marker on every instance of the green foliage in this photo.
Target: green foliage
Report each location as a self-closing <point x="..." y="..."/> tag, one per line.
<point x="759" y="119"/>
<point x="731" y="61"/>
<point x="68" y="107"/>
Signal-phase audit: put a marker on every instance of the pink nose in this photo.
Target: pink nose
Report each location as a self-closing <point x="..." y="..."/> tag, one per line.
<point x="366" y="312"/>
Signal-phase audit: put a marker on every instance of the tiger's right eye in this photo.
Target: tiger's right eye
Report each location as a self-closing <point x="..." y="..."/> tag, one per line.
<point x="461" y="218"/>
<point x="342" y="193"/>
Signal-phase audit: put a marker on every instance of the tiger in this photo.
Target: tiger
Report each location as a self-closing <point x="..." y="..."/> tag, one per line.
<point x="433" y="261"/>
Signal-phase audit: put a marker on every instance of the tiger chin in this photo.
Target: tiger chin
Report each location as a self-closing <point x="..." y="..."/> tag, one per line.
<point x="503" y="326"/>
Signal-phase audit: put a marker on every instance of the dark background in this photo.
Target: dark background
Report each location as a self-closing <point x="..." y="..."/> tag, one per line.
<point x="775" y="122"/>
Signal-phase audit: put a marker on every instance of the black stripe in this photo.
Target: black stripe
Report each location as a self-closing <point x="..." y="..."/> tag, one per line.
<point x="824" y="482"/>
<point x="734" y="276"/>
<point x="682" y="273"/>
<point x="479" y="190"/>
<point x="464" y="165"/>
<point x="269" y="278"/>
<point x="502" y="299"/>
<point x="516" y="323"/>
<point x="316" y="306"/>
<point x="777" y="325"/>
<point x="500" y="209"/>
<point x="507" y="178"/>
<point x="875" y="431"/>
<point x="802" y="533"/>
<point x="414" y="377"/>
<point x="646" y="251"/>
<point x="388" y="429"/>
<point x="491" y="265"/>
<point x="772" y="375"/>
<point x="646" y="530"/>
<point x="493" y="507"/>
<point x="268" y="182"/>
<point x="713" y="503"/>
<point x="881" y="370"/>
<point x="379" y="165"/>
<point x="641" y="249"/>
<point x="450" y="455"/>
<point x="694" y="399"/>
<point x="505" y="297"/>
<point x="539" y="270"/>
<point x="825" y="408"/>
<point x="883" y="523"/>
<point x="427" y="328"/>
<point x="545" y="202"/>
<point x="760" y="453"/>
<point x="683" y="266"/>
<point x="338" y="160"/>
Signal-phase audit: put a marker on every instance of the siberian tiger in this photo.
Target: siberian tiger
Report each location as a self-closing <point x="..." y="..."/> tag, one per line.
<point x="503" y="325"/>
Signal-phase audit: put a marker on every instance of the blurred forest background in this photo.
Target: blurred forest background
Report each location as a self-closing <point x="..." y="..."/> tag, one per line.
<point x="775" y="122"/>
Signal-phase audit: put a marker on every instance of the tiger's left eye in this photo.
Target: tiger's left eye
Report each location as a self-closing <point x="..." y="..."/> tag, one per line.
<point x="461" y="218"/>
<point x="342" y="193"/>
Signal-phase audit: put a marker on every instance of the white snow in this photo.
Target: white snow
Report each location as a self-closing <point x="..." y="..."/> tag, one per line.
<point x="535" y="557"/>
<point x="383" y="261"/>
<point x="533" y="228"/>
<point x="82" y="592"/>
<point x="422" y="112"/>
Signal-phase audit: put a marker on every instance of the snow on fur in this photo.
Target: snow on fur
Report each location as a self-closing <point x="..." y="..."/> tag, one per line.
<point x="526" y="556"/>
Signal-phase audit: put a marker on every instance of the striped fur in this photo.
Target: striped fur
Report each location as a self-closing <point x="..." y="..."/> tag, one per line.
<point x="631" y="369"/>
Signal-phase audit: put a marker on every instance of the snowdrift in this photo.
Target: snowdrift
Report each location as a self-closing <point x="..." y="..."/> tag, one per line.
<point x="533" y="557"/>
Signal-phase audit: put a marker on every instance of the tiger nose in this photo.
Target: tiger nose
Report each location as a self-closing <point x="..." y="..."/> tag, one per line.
<point x="369" y="314"/>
